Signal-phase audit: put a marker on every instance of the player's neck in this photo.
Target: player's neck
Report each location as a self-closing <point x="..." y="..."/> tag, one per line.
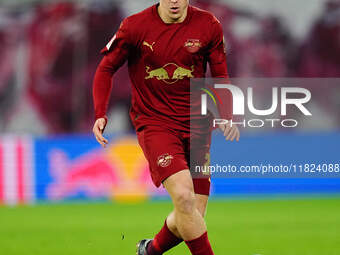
<point x="168" y="19"/>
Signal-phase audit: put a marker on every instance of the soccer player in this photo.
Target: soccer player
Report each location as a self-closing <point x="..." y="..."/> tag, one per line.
<point x="166" y="45"/>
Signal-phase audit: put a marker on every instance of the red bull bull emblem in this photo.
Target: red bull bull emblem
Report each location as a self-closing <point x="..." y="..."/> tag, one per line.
<point x="164" y="73"/>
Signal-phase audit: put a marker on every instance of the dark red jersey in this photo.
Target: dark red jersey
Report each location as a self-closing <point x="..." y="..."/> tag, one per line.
<point x="161" y="60"/>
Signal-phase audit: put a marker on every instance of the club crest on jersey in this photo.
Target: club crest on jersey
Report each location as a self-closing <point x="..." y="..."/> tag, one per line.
<point x="164" y="160"/>
<point x="192" y="45"/>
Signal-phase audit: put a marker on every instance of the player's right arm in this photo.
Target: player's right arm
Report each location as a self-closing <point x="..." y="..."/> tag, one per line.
<point x="115" y="53"/>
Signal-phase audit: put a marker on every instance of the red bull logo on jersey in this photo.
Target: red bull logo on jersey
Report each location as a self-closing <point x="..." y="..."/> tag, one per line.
<point x="169" y="73"/>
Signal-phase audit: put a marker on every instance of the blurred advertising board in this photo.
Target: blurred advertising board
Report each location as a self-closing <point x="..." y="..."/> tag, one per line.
<point x="73" y="167"/>
<point x="76" y="167"/>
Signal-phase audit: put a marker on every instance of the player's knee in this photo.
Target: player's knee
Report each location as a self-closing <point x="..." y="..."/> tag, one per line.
<point x="185" y="200"/>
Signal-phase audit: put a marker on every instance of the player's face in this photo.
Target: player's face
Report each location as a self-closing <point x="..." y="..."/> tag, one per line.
<point x="173" y="11"/>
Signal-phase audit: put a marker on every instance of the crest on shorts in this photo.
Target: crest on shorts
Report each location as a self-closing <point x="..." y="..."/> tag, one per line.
<point x="164" y="160"/>
<point x="192" y="45"/>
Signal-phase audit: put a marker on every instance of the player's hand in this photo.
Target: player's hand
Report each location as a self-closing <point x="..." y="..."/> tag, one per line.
<point x="230" y="132"/>
<point x="98" y="129"/>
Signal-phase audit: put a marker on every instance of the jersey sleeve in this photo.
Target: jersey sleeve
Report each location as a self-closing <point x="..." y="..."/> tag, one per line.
<point x="218" y="66"/>
<point x="115" y="53"/>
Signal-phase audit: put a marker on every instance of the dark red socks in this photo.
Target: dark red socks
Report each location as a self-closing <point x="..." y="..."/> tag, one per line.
<point x="200" y="245"/>
<point x="163" y="241"/>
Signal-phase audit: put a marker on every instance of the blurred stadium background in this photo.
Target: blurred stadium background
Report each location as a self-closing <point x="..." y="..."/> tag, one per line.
<point x="87" y="200"/>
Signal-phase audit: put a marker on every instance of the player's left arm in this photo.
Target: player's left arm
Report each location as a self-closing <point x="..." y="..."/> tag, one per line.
<point x="218" y="66"/>
<point x="115" y="54"/>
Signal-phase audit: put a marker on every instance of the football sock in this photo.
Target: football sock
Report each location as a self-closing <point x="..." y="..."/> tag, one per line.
<point x="163" y="241"/>
<point x="200" y="245"/>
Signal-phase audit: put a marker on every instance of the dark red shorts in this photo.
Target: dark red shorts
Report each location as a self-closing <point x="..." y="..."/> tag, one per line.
<point x="170" y="151"/>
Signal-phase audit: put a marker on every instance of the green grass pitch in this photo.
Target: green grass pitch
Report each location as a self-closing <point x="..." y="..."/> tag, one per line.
<point x="236" y="227"/>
